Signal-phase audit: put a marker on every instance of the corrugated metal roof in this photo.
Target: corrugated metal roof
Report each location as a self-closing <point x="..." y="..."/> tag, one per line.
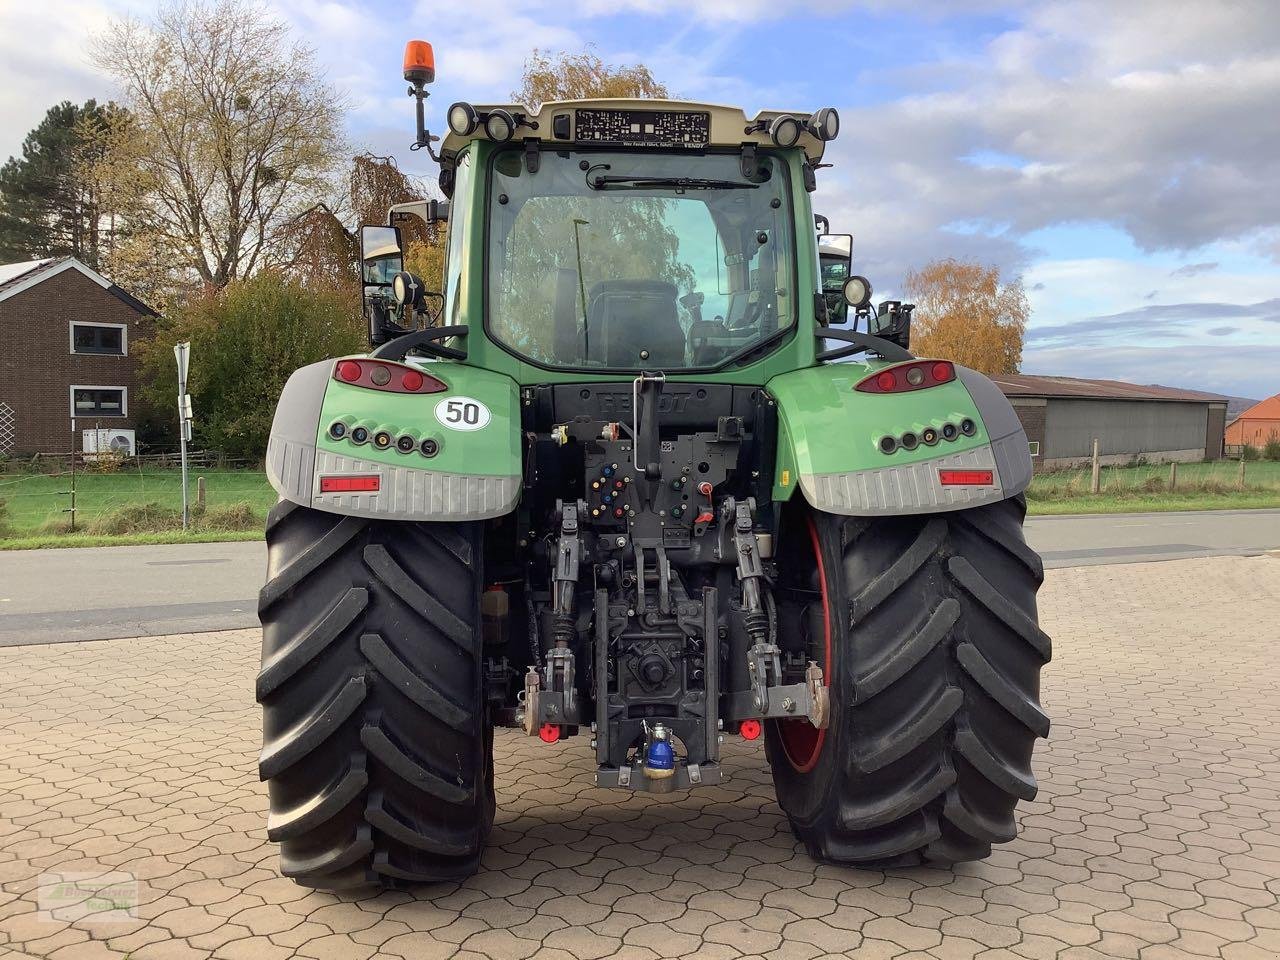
<point x="1023" y="385"/>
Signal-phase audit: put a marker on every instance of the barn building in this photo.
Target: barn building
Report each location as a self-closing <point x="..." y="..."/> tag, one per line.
<point x="1063" y="415"/>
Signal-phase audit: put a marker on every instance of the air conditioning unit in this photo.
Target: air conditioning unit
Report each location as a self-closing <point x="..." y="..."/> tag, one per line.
<point x="113" y="441"/>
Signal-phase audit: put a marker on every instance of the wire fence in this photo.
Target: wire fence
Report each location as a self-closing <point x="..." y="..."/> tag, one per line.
<point x="59" y="493"/>
<point x="1213" y="476"/>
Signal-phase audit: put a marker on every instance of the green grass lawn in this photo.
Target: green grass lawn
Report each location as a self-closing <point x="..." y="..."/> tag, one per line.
<point x="1141" y="489"/>
<point x="35" y="502"/>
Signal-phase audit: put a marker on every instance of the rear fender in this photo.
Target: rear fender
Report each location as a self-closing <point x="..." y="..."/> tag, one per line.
<point x="474" y="473"/>
<point x="829" y="442"/>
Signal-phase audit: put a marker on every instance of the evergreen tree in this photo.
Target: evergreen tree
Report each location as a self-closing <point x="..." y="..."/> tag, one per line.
<point x="46" y="208"/>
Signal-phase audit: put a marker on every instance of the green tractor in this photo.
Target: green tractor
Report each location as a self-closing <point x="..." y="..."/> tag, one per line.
<point x="632" y="479"/>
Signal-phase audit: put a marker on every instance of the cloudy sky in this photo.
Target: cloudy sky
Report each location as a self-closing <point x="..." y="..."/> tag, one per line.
<point x="1122" y="157"/>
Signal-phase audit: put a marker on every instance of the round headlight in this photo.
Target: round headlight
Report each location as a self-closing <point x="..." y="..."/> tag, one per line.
<point x="825" y="124"/>
<point x="401" y="288"/>
<point x="462" y="119"/>
<point x="499" y="126"/>
<point x="857" y="291"/>
<point x="785" y="131"/>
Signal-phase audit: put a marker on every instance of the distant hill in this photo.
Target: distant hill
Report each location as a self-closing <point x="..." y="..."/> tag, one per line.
<point x="1235" y="405"/>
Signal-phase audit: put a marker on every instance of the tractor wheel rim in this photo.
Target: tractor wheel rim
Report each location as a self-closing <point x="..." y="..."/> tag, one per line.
<point x="801" y="741"/>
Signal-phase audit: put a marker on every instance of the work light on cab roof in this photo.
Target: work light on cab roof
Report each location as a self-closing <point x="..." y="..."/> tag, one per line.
<point x="606" y="123"/>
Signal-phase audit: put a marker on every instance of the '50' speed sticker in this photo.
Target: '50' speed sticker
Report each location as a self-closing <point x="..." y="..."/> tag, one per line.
<point x="462" y="413"/>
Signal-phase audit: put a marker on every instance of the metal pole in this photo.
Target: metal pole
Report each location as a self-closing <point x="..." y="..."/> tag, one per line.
<point x="181" y="353"/>
<point x="73" y="475"/>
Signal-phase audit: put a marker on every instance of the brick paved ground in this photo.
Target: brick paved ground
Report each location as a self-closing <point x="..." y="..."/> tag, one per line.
<point x="1156" y="834"/>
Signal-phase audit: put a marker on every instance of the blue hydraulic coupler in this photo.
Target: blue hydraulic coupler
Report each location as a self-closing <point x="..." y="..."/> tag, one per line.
<point x="659" y="757"/>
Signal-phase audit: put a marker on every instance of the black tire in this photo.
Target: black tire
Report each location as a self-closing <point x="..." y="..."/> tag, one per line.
<point x="377" y="748"/>
<point x="934" y="676"/>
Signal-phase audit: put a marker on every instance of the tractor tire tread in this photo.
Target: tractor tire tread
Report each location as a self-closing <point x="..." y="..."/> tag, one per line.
<point x="377" y="744"/>
<point x="934" y="689"/>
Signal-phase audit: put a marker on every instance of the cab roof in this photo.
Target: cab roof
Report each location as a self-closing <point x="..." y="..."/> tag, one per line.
<point x="558" y="122"/>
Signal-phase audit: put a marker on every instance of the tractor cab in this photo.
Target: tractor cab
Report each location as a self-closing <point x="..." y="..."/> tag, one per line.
<point x="613" y="236"/>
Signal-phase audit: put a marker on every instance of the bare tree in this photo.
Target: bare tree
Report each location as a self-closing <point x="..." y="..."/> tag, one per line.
<point x="233" y="129"/>
<point x="322" y="248"/>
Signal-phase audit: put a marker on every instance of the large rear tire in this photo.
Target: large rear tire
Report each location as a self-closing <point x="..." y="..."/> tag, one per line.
<point x="377" y="748"/>
<point x="926" y="628"/>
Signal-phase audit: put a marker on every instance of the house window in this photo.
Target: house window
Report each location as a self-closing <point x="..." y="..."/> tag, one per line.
<point x="99" y="401"/>
<point x="1034" y="446"/>
<point x="109" y="339"/>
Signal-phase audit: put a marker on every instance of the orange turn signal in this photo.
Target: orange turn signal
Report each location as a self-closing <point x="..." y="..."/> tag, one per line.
<point x="419" y="62"/>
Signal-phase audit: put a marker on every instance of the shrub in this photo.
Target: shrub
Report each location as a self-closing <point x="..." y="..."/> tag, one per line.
<point x="1271" y="450"/>
<point x="136" y="518"/>
<point x="245" y="342"/>
<point x="155" y="518"/>
<point x="235" y="516"/>
<point x="6" y="522"/>
<point x="1249" y="452"/>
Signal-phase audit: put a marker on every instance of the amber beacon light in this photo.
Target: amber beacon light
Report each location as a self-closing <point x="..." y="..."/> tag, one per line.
<point x="419" y="62"/>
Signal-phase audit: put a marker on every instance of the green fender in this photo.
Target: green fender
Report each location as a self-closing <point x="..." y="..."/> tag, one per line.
<point x="829" y="442"/>
<point x="473" y="471"/>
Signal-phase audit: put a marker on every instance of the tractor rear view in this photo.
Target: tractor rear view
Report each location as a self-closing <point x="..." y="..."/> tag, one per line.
<point x="633" y="479"/>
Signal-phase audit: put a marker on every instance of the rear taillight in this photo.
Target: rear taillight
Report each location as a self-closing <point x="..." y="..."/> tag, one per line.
<point x="916" y="375"/>
<point x="383" y="375"/>
<point x="369" y="483"/>
<point x="966" y="478"/>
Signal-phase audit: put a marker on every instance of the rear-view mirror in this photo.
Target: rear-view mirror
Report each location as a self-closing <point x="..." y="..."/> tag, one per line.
<point x="381" y="254"/>
<point x="835" y="257"/>
<point x="381" y="258"/>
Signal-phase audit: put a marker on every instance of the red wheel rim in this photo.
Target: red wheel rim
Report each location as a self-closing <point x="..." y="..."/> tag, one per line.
<point x="801" y="741"/>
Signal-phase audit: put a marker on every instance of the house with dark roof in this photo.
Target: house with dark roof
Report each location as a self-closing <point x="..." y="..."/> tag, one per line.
<point x="67" y="363"/>
<point x="1064" y="415"/>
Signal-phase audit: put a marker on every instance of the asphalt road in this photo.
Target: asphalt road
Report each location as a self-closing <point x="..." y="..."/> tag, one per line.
<point x="53" y="596"/>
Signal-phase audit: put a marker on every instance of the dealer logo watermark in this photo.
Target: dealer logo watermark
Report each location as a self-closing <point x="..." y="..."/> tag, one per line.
<point x="104" y="896"/>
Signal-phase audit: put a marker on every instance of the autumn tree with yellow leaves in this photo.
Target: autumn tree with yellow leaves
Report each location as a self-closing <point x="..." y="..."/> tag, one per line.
<point x="583" y="76"/>
<point x="965" y="313"/>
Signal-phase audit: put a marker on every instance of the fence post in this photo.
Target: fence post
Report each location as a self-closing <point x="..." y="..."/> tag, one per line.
<point x="1240" y="478"/>
<point x="1173" y="475"/>
<point x="1095" y="484"/>
<point x="200" y="494"/>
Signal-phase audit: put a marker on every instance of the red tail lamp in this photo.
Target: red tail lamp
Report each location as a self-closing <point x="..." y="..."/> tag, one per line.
<point x="386" y="376"/>
<point x="905" y="377"/>
<point x="369" y="483"/>
<point x="750" y="729"/>
<point x="549" y="732"/>
<point x="966" y="478"/>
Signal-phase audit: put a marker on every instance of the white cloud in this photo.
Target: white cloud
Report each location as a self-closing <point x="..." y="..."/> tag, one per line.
<point x="1115" y="113"/>
<point x="44" y="60"/>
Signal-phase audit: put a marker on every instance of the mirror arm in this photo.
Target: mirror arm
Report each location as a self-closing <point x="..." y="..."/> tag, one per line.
<point x="860" y="343"/>
<point x="424" y="340"/>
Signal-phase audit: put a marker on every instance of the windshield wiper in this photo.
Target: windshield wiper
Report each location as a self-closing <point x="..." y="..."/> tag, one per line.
<point x="678" y="184"/>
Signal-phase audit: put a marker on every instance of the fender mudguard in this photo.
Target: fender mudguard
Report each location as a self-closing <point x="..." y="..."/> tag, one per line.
<point x="464" y="463"/>
<point x="830" y="443"/>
